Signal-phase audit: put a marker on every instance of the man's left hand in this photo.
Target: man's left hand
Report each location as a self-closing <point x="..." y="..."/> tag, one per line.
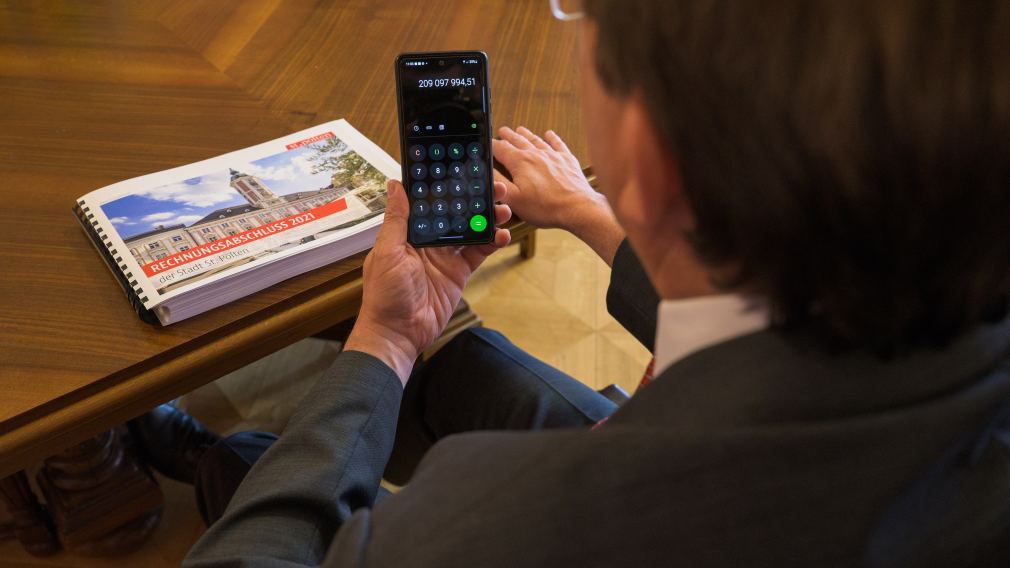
<point x="410" y="294"/>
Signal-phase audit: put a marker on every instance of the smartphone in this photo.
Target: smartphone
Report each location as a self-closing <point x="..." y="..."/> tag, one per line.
<point x="444" y="102"/>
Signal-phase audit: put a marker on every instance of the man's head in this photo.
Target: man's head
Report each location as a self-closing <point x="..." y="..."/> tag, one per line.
<point x="848" y="161"/>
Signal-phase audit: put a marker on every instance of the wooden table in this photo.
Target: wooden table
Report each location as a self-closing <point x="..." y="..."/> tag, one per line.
<point x="96" y="92"/>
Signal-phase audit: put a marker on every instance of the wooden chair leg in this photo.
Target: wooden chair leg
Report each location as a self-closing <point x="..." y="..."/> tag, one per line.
<point x="32" y="524"/>
<point x="103" y="501"/>
<point x="528" y="246"/>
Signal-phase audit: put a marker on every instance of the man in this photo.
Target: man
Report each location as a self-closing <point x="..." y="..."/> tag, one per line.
<point x="818" y="194"/>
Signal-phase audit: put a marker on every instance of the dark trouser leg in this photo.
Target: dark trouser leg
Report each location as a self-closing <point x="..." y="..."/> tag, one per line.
<point x="481" y="381"/>
<point x="223" y="467"/>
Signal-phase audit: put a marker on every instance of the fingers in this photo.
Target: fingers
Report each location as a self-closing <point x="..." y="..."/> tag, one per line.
<point x="556" y="142"/>
<point x="514" y="138"/>
<point x="500" y="190"/>
<point x="500" y="178"/>
<point x="505" y="153"/>
<point x="475" y="255"/>
<point x="533" y="138"/>
<point x="502" y="213"/>
<point x="502" y="238"/>
<point x="394" y="224"/>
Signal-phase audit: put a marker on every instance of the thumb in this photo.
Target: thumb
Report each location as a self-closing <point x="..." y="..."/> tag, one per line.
<point x="512" y="190"/>
<point x="394" y="223"/>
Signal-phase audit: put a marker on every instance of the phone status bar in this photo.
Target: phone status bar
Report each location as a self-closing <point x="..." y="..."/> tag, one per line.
<point x="424" y="63"/>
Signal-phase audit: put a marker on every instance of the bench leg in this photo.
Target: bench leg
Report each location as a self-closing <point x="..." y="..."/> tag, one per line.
<point x="528" y="246"/>
<point x="32" y="525"/>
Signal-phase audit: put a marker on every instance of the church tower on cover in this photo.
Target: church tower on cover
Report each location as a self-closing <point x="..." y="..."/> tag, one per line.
<point x="253" y="190"/>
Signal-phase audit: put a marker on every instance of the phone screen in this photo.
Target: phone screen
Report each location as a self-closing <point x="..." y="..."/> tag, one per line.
<point x="445" y="147"/>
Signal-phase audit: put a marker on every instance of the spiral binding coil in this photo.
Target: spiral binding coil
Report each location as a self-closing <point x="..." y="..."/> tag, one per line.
<point x="98" y="235"/>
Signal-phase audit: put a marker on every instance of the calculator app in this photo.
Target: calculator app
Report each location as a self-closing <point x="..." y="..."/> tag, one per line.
<point x="445" y="147"/>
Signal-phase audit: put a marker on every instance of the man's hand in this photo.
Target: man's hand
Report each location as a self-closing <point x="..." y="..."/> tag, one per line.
<point x="410" y="294"/>
<point x="548" y="189"/>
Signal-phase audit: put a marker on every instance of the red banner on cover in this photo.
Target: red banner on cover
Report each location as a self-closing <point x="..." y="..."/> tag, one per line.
<point x="243" y="238"/>
<point x="308" y="141"/>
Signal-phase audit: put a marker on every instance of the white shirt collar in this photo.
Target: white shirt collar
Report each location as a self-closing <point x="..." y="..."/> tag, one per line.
<point x="687" y="326"/>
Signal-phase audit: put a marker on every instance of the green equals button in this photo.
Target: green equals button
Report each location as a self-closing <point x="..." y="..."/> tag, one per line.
<point x="478" y="223"/>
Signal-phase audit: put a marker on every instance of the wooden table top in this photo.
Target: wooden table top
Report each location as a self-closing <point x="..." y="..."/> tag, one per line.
<point x="93" y="93"/>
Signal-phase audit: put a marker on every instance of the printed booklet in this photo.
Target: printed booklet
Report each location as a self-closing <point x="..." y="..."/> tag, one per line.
<point x="189" y="239"/>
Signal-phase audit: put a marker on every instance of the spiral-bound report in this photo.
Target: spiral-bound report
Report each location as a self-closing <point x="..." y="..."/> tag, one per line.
<point x="183" y="241"/>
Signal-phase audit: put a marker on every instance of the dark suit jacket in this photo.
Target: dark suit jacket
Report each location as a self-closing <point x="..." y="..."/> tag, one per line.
<point x="760" y="451"/>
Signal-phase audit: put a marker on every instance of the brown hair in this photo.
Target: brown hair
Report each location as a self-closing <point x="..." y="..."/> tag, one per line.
<point x="851" y="159"/>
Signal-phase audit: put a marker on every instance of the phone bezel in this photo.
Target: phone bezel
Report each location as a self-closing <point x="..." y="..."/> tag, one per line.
<point x="404" y="173"/>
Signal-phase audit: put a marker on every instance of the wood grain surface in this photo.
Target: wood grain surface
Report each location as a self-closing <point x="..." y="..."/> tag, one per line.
<point x="95" y="92"/>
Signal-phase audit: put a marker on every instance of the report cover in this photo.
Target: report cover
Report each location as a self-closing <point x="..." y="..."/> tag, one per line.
<point x="187" y="227"/>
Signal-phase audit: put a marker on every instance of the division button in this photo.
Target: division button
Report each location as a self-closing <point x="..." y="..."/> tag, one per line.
<point x="478" y="223"/>
<point x="474" y="150"/>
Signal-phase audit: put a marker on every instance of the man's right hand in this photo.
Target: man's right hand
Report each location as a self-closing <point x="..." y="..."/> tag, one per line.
<point x="548" y="189"/>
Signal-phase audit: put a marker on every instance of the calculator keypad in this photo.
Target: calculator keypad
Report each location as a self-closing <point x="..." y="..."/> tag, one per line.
<point x="448" y="190"/>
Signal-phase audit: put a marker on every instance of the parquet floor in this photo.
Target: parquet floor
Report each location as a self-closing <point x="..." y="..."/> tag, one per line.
<point x="552" y="305"/>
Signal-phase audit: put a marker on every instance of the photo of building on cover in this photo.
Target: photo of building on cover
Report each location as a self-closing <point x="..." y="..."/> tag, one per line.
<point x="177" y="217"/>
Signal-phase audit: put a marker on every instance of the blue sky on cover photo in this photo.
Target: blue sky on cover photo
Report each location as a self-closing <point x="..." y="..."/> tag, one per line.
<point x="188" y="201"/>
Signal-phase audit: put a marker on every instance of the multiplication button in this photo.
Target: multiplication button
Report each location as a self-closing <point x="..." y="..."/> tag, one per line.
<point x="475" y="168"/>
